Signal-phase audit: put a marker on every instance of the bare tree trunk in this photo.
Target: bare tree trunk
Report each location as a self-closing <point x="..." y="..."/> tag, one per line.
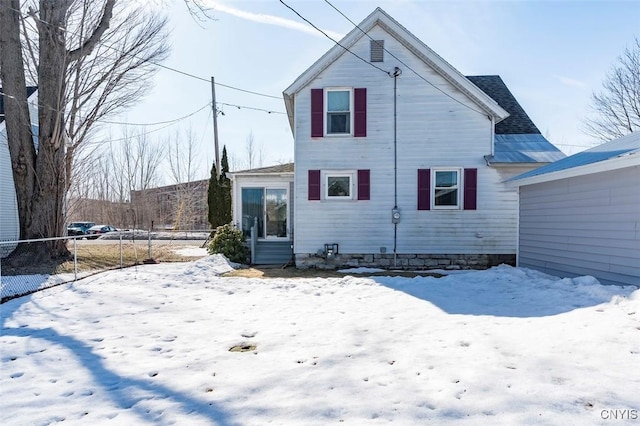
<point x="183" y="164"/>
<point x="250" y="148"/>
<point x="50" y="189"/>
<point x="79" y="82"/>
<point x="19" y="137"/>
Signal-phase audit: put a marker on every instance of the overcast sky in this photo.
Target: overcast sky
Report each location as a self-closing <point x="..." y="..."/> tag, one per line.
<point x="551" y="54"/>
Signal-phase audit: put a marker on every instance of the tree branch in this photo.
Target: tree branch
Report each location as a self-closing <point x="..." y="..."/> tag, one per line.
<point x="90" y="43"/>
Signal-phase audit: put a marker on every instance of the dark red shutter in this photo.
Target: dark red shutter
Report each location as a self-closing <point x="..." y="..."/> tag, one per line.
<point x="470" y="188"/>
<point x="317" y="113"/>
<point x="314" y="184"/>
<point x="424" y="189"/>
<point x="364" y="192"/>
<point x="359" y="112"/>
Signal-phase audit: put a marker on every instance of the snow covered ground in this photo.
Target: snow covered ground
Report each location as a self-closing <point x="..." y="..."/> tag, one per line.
<point x="150" y="345"/>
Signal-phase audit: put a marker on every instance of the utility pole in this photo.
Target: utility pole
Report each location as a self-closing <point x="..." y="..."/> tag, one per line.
<point x="215" y="124"/>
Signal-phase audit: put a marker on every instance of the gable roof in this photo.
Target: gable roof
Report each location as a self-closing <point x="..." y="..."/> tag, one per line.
<point x="618" y="153"/>
<point x="412" y="43"/>
<point x="30" y="91"/>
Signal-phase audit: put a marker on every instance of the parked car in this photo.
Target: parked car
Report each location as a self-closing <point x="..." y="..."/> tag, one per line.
<point x="97" y="230"/>
<point x="79" y="228"/>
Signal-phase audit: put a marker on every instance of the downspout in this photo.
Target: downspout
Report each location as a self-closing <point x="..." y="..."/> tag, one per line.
<point x="396" y="73"/>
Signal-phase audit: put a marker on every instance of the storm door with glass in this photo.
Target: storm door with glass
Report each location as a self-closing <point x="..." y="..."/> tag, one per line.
<point x="268" y="208"/>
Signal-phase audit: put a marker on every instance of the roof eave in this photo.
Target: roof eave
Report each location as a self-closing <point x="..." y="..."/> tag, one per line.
<point x="276" y="174"/>
<point x="623" y="161"/>
<point x="515" y="163"/>
<point x="289" y="104"/>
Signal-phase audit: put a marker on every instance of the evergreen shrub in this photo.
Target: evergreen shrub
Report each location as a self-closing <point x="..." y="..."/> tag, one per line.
<point x="229" y="240"/>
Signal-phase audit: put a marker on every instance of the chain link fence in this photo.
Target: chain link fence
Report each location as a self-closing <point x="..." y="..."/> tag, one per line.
<point x="24" y="270"/>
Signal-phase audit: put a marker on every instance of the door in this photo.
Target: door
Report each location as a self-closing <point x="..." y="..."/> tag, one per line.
<point x="252" y="210"/>
<point x="269" y="208"/>
<point x="276" y="213"/>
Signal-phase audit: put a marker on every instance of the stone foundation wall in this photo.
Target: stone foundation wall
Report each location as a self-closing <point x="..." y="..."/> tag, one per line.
<point x="405" y="261"/>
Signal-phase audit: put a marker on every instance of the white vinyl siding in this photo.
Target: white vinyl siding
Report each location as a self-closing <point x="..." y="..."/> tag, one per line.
<point x="9" y="225"/>
<point x="585" y="225"/>
<point x="432" y="130"/>
<point x="9" y="219"/>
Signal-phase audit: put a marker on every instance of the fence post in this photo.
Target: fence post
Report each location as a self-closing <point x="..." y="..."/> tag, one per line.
<point x="149" y="257"/>
<point x="120" y="249"/>
<point x="75" y="259"/>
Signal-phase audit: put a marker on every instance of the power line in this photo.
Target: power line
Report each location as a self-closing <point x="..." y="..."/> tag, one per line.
<point x="333" y="40"/>
<point x="249" y="91"/>
<point x="175" y="120"/>
<point x="402" y="62"/>
<point x="252" y="108"/>
<point x="157" y="63"/>
<point x="158" y="122"/>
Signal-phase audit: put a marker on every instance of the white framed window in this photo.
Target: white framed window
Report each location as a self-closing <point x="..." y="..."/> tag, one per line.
<point x="338" y="111"/>
<point x="446" y="188"/>
<point x="339" y="185"/>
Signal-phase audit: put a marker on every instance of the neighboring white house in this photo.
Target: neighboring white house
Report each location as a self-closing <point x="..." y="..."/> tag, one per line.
<point x="9" y="224"/>
<point x="581" y="215"/>
<point x="400" y="159"/>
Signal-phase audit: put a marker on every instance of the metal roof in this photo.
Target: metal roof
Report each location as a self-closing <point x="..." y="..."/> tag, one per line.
<point x="626" y="145"/>
<point x="517" y="139"/>
<point x="524" y="148"/>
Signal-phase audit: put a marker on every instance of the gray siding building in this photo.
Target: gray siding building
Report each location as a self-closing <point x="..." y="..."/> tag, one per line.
<point x="581" y="215"/>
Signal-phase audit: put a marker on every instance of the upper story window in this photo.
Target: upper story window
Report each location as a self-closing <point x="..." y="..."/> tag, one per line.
<point x="446" y="190"/>
<point x="338" y="111"/>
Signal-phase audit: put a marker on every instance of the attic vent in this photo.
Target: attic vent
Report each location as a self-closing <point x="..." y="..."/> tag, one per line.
<point x="377" y="50"/>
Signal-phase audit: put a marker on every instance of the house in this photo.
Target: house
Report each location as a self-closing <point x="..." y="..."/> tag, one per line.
<point x="581" y="215"/>
<point x="264" y="204"/>
<point x="400" y="159"/>
<point x="9" y="222"/>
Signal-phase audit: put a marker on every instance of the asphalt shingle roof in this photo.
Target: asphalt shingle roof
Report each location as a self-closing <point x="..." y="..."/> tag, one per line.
<point x="517" y="139"/>
<point x="518" y="121"/>
<point x="280" y="168"/>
